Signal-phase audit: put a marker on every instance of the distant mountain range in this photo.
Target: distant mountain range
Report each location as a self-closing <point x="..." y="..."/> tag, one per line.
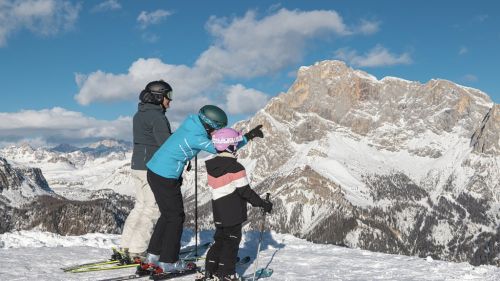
<point x="79" y="196"/>
<point x="387" y="165"/>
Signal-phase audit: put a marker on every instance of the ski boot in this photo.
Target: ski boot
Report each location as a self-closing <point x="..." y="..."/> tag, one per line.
<point x="149" y="266"/>
<point x="173" y="267"/>
<point x="116" y="255"/>
<point x="204" y="276"/>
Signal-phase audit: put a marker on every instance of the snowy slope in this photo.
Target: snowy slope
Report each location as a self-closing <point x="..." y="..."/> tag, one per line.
<point x="38" y="256"/>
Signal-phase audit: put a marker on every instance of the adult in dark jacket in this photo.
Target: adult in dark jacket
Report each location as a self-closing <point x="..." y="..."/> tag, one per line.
<point x="151" y="129"/>
<point x="231" y="192"/>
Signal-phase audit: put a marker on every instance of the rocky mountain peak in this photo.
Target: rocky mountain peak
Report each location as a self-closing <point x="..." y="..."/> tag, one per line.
<point x="357" y="101"/>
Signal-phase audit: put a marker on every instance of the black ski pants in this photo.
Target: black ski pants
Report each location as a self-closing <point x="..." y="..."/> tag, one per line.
<point x="166" y="238"/>
<point x="221" y="258"/>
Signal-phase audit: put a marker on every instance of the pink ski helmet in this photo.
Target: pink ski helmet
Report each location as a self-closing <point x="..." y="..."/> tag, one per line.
<point x="225" y="137"/>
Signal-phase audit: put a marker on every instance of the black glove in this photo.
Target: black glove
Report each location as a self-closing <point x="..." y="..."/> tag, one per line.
<point x="255" y="132"/>
<point x="267" y="206"/>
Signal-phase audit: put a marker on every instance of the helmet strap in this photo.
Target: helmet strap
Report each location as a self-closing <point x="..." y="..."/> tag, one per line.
<point x="231" y="149"/>
<point x="208" y="129"/>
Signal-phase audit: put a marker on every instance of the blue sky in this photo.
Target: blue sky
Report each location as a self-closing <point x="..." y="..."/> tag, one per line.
<point x="71" y="71"/>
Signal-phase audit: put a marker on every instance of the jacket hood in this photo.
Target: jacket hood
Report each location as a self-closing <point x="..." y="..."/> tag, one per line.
<point x="149" y="106"/>
<point x="193" y="123"/>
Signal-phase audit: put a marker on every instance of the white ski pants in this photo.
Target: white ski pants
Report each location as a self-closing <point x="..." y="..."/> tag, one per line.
<point x="141" y="220"/>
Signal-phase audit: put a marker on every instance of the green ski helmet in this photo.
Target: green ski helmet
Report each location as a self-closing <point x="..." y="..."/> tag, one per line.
<point x="213" y="117"/>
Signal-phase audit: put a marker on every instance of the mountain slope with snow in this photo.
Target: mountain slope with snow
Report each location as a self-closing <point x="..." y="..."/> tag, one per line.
<point x="39" y="256"/>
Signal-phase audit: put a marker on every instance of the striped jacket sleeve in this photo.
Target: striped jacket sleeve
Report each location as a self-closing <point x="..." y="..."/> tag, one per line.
<point x="246" y="192"/>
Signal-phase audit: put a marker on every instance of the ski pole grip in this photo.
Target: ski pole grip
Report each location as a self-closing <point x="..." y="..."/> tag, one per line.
<point x="267" y="196"/>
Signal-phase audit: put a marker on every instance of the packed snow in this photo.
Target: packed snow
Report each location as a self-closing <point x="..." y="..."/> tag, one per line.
<point x="30" y="255"/>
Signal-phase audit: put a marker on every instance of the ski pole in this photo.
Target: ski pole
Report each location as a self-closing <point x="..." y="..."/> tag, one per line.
<point x="260" y="239"/>
<point x="196" y="205"/>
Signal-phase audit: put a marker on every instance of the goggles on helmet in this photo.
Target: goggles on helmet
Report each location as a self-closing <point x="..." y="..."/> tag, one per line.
<point x="168" y="95"/>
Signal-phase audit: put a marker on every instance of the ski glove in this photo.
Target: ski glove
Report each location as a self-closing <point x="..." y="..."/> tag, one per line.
<point x="255" y="132"/>
<point x="267" y="206"/>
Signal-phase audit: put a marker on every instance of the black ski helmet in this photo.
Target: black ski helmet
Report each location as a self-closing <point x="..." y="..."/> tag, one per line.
<point x="213" y="116"/>
<point x="160" y="87"/>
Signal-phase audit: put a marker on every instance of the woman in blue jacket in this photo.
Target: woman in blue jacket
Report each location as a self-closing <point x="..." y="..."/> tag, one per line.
<point x="165" y="179"/>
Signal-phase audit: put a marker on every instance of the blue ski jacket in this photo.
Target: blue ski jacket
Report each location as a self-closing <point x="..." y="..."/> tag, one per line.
<point x="182" y="146"/>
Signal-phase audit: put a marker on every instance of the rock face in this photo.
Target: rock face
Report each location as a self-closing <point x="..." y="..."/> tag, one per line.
<point x="67" y="217"/>
<point x="387" y="165"/>
<point x="20" y="184"/>
<point x="486" y="138"/>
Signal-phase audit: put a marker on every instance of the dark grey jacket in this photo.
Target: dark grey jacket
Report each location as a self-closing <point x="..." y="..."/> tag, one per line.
<point x="151" y="129"/>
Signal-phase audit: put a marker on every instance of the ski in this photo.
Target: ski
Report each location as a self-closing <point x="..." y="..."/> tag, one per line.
<point x="101" y="268"/>
<point x="126" y="277"/>
<point x="122" y="278"/>
<point x="240" y="261"/>
<point x="115" y="258"/>
<point x="120" y="260"/>
<point x="143" y="270"/>
<point x="260" y="274"/>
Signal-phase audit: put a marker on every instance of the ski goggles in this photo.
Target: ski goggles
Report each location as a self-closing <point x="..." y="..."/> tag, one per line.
<point x="168" y="95"/>
<point x="165" y="94"/>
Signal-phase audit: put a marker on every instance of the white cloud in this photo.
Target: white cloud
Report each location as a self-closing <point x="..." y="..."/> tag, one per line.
<point x="146" y="19"/>
<point x="243" y="47"/>
<point x="61" y="124"/>
<point x="189" y="85"/>
<point x="249" y="47"/>
<point x="463" y="50"/>
<point x="42" y="17"/>
<point x="108" y="5"/>
<point x="241" y="100"/>
<point x="378" y="56"/>
<point x="32" y="141"/>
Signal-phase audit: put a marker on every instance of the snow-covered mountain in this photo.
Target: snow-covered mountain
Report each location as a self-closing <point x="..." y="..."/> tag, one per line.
<point x="76" y="173"/>
<point x="21" y="184"/>
<point x="387" y="165"/>
<point x="70" y="192"/>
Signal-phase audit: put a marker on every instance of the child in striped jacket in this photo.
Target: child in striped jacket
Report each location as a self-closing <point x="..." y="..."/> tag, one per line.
<point x="231" y="192"/>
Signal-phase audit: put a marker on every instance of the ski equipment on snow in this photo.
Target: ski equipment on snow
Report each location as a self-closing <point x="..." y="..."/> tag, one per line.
<point x="120" y="260"/>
